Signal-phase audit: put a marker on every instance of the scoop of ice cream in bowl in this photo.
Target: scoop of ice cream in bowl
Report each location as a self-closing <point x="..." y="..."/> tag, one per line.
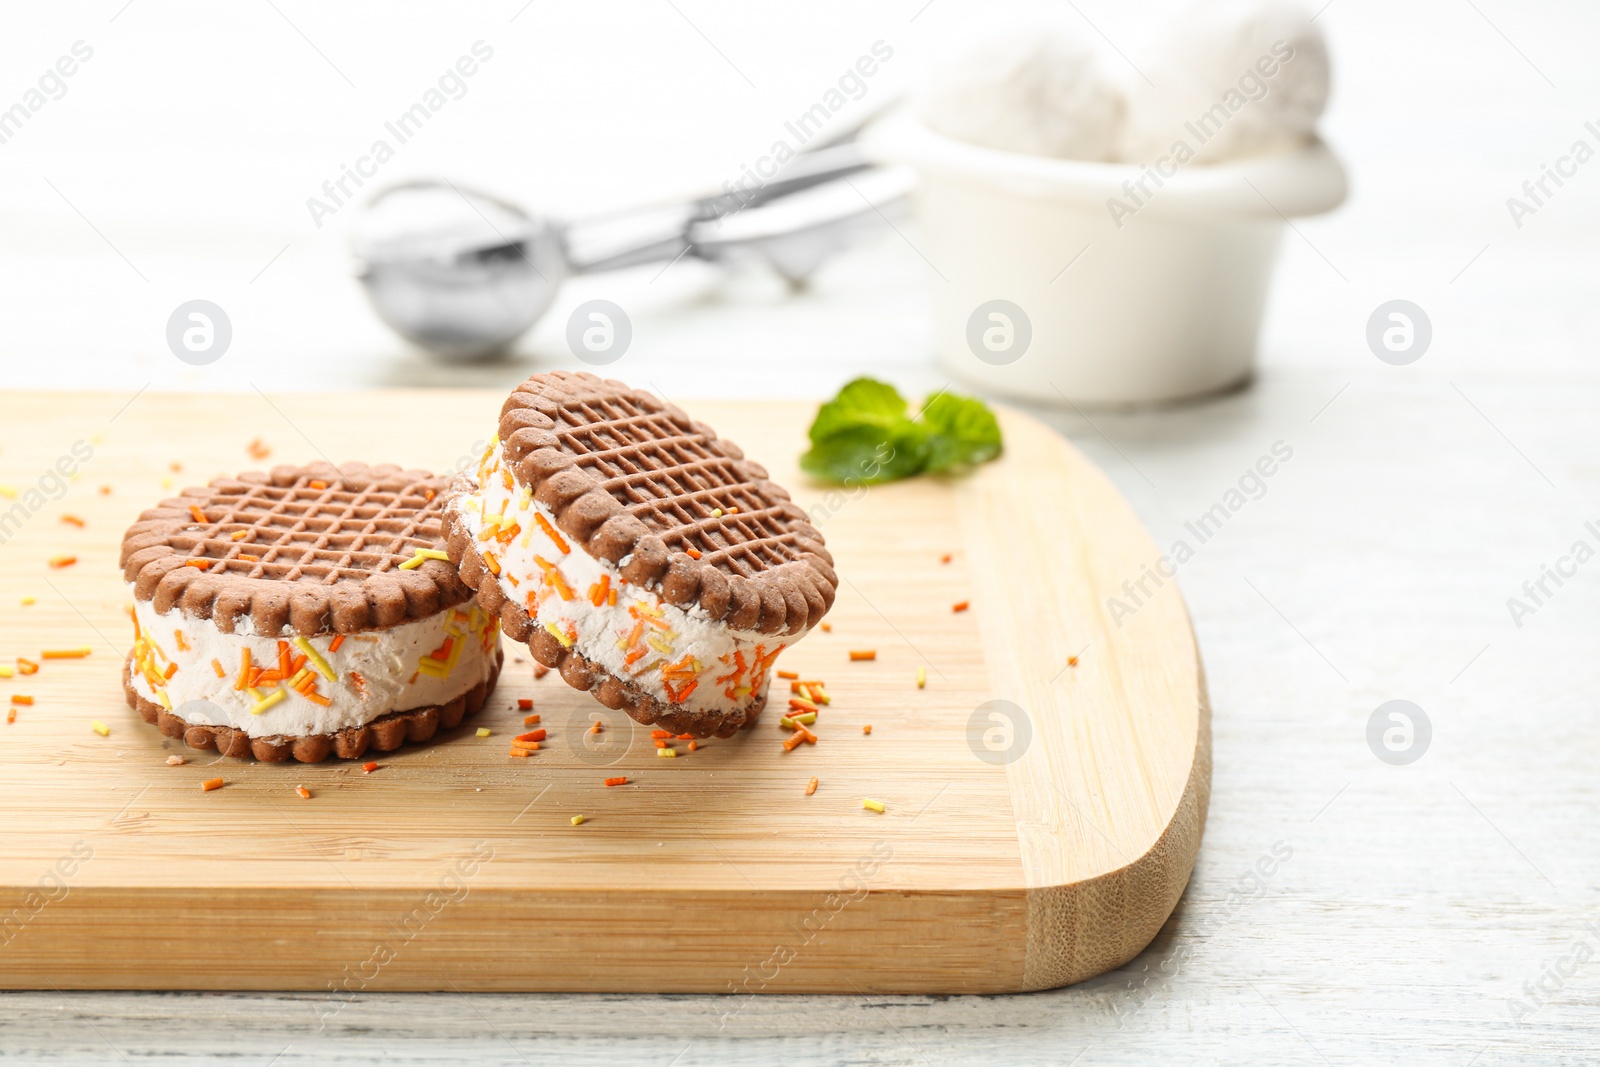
<point x="1104" y="233"/>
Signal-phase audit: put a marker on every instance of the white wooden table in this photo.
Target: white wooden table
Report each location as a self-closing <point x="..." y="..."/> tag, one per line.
<point x="1444" y="911"/>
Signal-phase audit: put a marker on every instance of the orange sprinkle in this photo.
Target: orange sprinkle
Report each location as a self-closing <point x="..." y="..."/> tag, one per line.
<point x="539" y="671"/>
<point x="694" y="746"/>
<point x="63" y="561"/>
<point x="65" y="653"/>
<point x="211" y="783"/>
<point x="183" y="645"/>
<point x="961" y="605"/>
<point x="799" y="704"/>
<point x="244" y="672"/>
<point x="622" y="780"/>
<point x="26" y="666"/>
<point x="22" y="701"/>
<point x="172" y="668"/>
<point x="315" y="698"/>
<point x="662" y="744"/>
<point x="530" y="720"/>
<point x="518" y="753"/>
<point x="198" y="515"/>
<point x="73" y="520"/>
<point x="200" y="564"/>
<point x="867" y="729"/>
<point x="336" y="643"/>
<point x="524" y="704"/>
<point x="305" y="794"/>
<point x="1072" y="661"/>
<point x="788" y="675"/>
<point x="318" y="484"/>
<point x="946" y="558"/>
<point x="283" y="660"/>
<point x="240" y="535"/>
<point x="686" y="737"/>
<point x="257" y="450"/>
<point x="492" y="563"/>
<point x="525" y="746"/>
<point x="596" y="728"/>
<point x="792" y="742"/>
<point x="552" y="533"/>
<point x="811" y="786"/>
<point x="105" y="490"/>
<point x="11" y="716"/>
<point x="861" y="655"/>
<point x="611" y="599"/>
<point x="368" y="768"/>
<point x="216" y="665"/>
<point x="361" y="683"/>
<point x="599" y="591"/>
<point x="693" y="553"/>
<point x="827" y="627"/>
<point x="660" y="733"/>
<point x="533" y="735"/>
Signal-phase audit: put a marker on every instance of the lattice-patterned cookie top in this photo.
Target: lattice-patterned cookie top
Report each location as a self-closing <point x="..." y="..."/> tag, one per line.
<point x="641" y="484"/>
<point x="316" y="549"/>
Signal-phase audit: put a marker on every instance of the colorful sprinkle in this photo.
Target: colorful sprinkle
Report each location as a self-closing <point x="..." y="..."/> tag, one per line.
<point x="211" y="783"/>
<point x="667" y="753"/>
<point x="57" y="562"/>
<point x="577" y="820"/>
<point x="66" y="653"/>
<point x="872" y="805"/>
<point x="622" y="780"/>
<point x="863" y="655"/>
<point x="277" y="696"/>
<point x="922" y="677"/>
<point x="368" y="768"/>
<point x="305" y="794"/>
<point x="422" y="555"/>
<point x="483" y="731"/>
<point x="811" y="786"/>
<point x="960" y="605"/>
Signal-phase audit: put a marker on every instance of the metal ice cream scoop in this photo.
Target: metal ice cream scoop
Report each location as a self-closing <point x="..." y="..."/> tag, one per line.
<point x="463" y="274"/>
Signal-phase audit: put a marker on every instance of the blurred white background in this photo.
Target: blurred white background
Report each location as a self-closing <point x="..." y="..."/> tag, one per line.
<point x="178" y="163"/>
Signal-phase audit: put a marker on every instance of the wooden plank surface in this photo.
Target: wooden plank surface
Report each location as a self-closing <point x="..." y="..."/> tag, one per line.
<point x="1030" y="850"/>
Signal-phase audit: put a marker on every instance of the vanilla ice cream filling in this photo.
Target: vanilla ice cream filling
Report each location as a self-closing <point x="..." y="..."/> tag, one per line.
<point x="680" y="656"/>
<point x="211" y="678"/>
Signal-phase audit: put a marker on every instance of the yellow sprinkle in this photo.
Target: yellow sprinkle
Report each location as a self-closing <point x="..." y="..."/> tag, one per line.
<point x="804" y="720"/>
<point x="871" y="805"/>
<point x="422" y="555"/>
<point x="716" y="513"/>
<point x="818" y="696"/>
<point x="316" y="659"/>
<point x="577" y="820"/>
<point x="566" y="642"/>
<point x="483" y="731"/>
<point x="277" y="696"/>
<point x="667" y="753"/>
<point x="257" y="694"/>
<point x="166" y="701"/>
<point x="102" y="729"/>
<point x="299" y="677"/>
<point x="29" y="601"/>
<point x="922" y="677"/>
<point x="7" y="672"/>
<point x="8" y="492"/>
<point x="655" y="641"/>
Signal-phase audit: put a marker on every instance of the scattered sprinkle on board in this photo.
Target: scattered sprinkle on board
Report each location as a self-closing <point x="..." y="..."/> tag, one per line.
<point x="483" y="731"/>
<point x="863" y="655"/>
<point x="577" y="820"/>
<point x="872" y="805"/>
<point x="211" y="783"/>
<point x="811" y="786"/>
<point x="305" y="794"/>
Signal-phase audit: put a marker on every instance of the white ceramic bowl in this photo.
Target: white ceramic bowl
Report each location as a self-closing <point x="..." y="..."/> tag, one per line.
<point x="1040" y="292"/>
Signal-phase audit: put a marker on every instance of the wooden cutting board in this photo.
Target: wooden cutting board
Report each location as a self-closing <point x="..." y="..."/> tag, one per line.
<point x="1023" y="845"/>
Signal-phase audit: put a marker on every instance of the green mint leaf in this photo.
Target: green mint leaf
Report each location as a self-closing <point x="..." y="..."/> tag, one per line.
<point x="961" y="430"/>
<point x="862" y="403"/>
<point x="866" y="455"/>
